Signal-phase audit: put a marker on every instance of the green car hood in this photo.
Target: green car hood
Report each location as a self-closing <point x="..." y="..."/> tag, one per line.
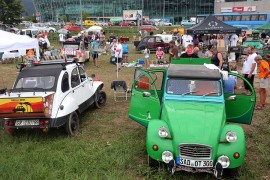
<point x="194" y="122"/>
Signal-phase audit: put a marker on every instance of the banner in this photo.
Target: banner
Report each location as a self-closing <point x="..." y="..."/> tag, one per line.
<point x="132" y="15"/>
<point x="238" y="9"/>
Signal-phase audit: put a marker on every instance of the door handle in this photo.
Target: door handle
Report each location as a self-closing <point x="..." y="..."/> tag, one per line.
<point x="231" y="98"/>
<point x="73" y="91"/>
<point x="83" y="85"/>
<point x="252" y="100"/>
<point x="146" y="94"/>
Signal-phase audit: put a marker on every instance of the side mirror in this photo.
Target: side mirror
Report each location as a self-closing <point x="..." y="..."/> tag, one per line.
<point x="146" y="94"/>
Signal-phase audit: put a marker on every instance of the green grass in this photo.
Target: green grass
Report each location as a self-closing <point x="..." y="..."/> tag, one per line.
<point x="109" y="145"/>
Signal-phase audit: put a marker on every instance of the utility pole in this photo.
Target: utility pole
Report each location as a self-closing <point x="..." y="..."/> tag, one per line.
<point x="103" y="11"/>
<point x="81" y="14"/>
<point x="163" y="11"/>
<point x="52" y="9"/>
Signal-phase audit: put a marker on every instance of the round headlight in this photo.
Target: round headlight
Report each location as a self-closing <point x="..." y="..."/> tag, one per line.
<point x="163" y="132"/>
<point x="167" y="156"/>
<point x="231" y="136"/>
<point x="224" y="161"/>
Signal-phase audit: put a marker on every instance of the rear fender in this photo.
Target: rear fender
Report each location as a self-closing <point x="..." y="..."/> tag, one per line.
<point x="153" y="138"/>
<point x="228" y="149"/>
<point x="67" y="106"/>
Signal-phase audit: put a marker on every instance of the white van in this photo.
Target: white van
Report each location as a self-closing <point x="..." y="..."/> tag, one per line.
<point x="29" y="32"/>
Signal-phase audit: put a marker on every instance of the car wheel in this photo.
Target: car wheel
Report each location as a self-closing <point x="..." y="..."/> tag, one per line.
<point x="233" y="173"/>
<point x="101" y="99"/>
<point x="51" y="31"/>
<point x="72" y="124"/>
<point x="152" y="162"/>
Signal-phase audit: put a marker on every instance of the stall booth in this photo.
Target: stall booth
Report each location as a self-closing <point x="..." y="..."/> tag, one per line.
<point x="211" y="25"/>
<point x="13" y="45"/>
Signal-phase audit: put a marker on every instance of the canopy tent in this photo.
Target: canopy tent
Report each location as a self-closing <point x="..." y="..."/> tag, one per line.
<point x="211" y="25"/>
<point x="95" y="28"/>
<point x="265" y="27"/>
<point x="11" y="42"/>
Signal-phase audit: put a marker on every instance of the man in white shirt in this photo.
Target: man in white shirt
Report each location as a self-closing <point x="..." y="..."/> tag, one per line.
<point x="61" y="39"/>
<point x="249" y="68"/>
<point x="118" y="55"/>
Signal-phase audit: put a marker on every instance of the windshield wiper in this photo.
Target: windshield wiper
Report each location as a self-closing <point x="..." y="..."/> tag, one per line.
<point x="210" y="93"/>
<point x="190" y="92"/>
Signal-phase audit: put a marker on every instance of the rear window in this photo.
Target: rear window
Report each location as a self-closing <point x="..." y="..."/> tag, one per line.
<point x="38" y="83"/>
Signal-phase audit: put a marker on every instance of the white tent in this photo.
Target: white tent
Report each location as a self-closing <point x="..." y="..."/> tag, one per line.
<point x="11" y="42"/>
<point x="94" y="29"/>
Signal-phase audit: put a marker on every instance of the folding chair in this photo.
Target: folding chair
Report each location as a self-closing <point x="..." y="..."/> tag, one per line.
<point x="121" y="92"/>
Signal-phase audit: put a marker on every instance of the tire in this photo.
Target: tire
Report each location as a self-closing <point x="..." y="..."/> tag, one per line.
<point x="72" y="124"/>
<point x="234" y="172"/>
<point x="152" y="162"/>
<point x="101" y="99"/>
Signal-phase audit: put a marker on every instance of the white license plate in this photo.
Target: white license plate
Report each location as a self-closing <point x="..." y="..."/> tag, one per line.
<point x="196" y="163"/>
<point x="26" y="122"/>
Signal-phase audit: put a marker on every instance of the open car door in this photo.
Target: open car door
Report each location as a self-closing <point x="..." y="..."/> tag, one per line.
<point x="145" y="103"/>
<point x="239" y="106"/>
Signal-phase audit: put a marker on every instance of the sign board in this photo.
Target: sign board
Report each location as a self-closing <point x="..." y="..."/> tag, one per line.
<point x="238" y="9"/>
<point x="132" y="15"/>
<point x="226" y="9"/>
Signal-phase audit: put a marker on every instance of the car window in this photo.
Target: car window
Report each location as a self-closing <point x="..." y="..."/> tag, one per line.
<point x="82" y="74"/>
<point x="42" y="82"/>
<point x="75" y="80"/>
<point x="157" y="78"/>
<point x="193" y="87"/>
<point x="144" y="83"/>
<point x="151" y="40"/>
<point x="158" y="39"/>
<point x="65" y="83"/>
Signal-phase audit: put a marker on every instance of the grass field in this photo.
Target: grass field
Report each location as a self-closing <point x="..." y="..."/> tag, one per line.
<point x="109" y="145"/>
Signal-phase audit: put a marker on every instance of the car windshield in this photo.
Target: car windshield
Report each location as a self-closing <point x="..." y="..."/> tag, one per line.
<point x="193" y="87"/>
<point x="35" y="83"/>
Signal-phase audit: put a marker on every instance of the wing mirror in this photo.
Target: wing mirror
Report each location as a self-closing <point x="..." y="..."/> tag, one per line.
<point x="146" y="94"/>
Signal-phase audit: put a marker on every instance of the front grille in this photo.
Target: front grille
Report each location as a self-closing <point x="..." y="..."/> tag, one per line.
<point x="195" y="151"/>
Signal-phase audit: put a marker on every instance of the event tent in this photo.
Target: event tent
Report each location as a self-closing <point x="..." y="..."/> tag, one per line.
<point x="211" y="25"/>
<point x="11" y="42"/>
<point x="94" y="29"/>
<point x="265" y="27"/>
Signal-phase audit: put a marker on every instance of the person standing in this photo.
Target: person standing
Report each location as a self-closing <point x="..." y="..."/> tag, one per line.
<point x="118" y="55"/>
<point x="94" y="46"/>
<point x="61" y="39"/>
<point x="111" y="38"/>
<point x="125" y="52"/>
<point x="113" y="46"/>
<point x="249" y="69"/>
<point x="173" y="51"/>
<point x="146" y="53"/>
<point x="216" y="58"/>
<point x="264" y="76"/>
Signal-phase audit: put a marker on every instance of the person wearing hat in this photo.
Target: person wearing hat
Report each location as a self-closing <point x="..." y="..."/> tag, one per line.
<point x="264" y="76"/>
<point x="94" y="47"/>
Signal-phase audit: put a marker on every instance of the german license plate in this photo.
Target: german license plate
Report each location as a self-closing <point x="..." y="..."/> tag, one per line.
<point x="196" y="163"/>
<point x="27" y="122"/>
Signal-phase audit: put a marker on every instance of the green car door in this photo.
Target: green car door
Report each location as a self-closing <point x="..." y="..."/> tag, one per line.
<point x="239" y="106"/>
<point x="145" y="103"/>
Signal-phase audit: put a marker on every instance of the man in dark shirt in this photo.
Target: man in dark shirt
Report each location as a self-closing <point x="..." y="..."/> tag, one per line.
<point x="86" y="41"/>
<point x="173" y="51"/>
<point x="111" y="38"/>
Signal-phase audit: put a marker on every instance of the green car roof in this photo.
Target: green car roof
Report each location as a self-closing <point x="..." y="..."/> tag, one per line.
<point x="192" y="72"/>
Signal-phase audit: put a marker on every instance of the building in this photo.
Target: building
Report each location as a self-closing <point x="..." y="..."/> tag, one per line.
<point x="175" y="10"/>
<point x="242" y="6"/>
